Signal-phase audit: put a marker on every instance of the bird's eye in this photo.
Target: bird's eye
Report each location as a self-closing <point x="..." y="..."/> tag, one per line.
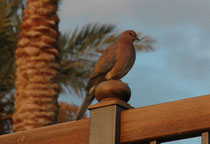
<point x="130" y="33"/>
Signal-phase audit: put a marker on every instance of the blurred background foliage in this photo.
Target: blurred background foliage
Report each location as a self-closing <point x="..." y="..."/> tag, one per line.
<point x="79" y="51"/>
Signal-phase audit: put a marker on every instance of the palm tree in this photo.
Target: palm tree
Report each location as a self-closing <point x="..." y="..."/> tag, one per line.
<point x="37" y="59"/>
<point x="78" y="53"/>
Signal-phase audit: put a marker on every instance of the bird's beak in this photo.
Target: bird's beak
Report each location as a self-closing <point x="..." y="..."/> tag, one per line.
<point x="137" y="39"/>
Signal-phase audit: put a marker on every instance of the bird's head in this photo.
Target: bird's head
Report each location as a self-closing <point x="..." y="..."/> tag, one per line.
<point x="129" y="36"/>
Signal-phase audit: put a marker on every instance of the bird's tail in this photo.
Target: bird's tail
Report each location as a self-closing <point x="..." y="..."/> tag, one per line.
<point x="86" y="102"/>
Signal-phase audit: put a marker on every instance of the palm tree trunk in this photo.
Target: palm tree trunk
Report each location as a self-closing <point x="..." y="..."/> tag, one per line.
<point x="37" y="59"/>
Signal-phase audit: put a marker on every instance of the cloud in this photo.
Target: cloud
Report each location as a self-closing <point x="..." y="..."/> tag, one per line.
<point x="86" y="11"/>
<point x="165" y="12"/>
<point x="155" y="13"/>
<point x="179" y="67"/>
<point x="187" y="54"/>
<point x="151" y="85"/>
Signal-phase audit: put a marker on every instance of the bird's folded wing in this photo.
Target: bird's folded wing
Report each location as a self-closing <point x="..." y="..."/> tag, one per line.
<point x="105" y="63"/>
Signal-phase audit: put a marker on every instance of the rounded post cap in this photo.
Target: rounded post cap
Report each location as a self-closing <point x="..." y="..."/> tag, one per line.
<point x="112" y="89"/>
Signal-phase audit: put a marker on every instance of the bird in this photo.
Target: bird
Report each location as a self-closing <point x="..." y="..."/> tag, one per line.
<point x="114" y="63"/>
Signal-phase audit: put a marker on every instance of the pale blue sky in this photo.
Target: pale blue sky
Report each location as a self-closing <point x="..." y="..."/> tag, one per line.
<point x="178" y="68"/>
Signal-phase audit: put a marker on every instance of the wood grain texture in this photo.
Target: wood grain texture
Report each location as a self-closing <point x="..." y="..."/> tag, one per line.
<point x="113" y="89"/>
<point x="111" y="101"/>
<point x="205" y="138"/>
<point x="154" y="142"/>
<point x="69" y="132"/>
<point x="162" y="122"/>
<point x="105" y="125"/>
<point x="167" y="121"/>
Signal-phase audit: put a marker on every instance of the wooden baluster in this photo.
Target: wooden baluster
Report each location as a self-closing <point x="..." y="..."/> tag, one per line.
<point x="205" y="138"/>
<point x="154" y="142"/>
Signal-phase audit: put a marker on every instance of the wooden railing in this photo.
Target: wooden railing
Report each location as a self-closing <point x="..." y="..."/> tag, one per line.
<point x="152" y="124"/>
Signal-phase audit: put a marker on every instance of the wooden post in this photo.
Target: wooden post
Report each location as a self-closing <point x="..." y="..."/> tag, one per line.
<point x="105" y="115"/>
<point x="154" y="142"/>
<point x="205" y="138"/>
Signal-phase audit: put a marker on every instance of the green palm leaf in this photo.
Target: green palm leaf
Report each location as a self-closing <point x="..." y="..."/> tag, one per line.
<point x="79" y="51"/>
<point x="81" y="48"/>
<point x="9" y="27"/>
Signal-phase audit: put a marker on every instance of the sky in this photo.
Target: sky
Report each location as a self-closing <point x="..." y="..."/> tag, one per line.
<point x="180" y="65"/>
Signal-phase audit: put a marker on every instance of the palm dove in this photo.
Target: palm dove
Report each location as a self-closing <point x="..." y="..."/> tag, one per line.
<point x="114" y="63"/>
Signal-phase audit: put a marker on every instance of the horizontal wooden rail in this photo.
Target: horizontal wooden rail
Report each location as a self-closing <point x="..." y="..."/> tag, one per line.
<point x="167" y="121"/>
<point x="161" y="122"/>
<point x="65" y="133"/>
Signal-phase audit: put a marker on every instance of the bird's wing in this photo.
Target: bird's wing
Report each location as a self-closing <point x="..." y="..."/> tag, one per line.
<point x="105" y="63"/>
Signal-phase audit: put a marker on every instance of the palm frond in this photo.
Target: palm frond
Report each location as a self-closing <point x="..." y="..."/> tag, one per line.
<point x="9" y="27"/>
<point x="145" y="44"/>
<point x="81" y="48"/>
<point x="79" y="51"/>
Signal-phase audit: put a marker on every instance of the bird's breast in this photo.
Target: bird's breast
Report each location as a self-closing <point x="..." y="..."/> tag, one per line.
<point x="126" y="56"/>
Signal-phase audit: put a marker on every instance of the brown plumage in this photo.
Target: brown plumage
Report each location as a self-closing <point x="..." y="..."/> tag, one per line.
<point x="114" y="63"/>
